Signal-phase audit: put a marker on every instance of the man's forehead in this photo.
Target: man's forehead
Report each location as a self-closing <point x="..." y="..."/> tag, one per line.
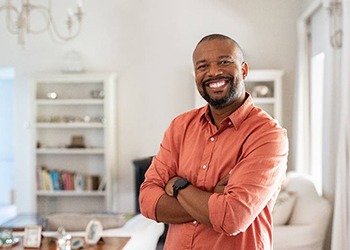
<point x="219" y="48"/>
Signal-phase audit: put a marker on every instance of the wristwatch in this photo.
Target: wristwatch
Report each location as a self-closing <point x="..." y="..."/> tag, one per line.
<point x="178" y="185"/>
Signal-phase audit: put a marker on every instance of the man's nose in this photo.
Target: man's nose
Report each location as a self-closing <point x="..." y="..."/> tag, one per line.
<point x="215" y="70"/>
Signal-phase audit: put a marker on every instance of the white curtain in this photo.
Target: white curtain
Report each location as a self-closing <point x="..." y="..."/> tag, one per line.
<point x="341" y="216"/>
<point x="301" y="124"/>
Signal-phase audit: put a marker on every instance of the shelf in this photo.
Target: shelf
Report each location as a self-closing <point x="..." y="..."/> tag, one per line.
<point x="70" y="193"/>
<point x="86" y="151"/>
<point x="68" y="79"/>
<point x="264" y="100"/>
<point x="70" y="102"/>
<point x="258" y="75"/>
<point x="69" y="125"/>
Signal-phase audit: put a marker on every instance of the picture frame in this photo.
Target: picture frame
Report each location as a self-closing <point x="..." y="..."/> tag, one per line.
<point x="32" y="236"/>
<point x="93" y="232"/>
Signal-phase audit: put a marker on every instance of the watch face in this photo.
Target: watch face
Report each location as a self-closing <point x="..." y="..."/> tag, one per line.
<point x="180" y="183"/>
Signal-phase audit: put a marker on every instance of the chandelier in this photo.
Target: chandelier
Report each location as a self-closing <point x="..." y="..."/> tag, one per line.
<point x="18" y="20"/>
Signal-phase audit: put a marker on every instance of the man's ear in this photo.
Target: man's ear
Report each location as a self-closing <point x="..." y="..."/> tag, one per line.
<point x="245" y="69"/>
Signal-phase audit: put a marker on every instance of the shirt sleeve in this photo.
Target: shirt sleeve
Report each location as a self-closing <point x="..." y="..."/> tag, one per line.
<point x="157" y="176"/>
<point x="253" y="182"/>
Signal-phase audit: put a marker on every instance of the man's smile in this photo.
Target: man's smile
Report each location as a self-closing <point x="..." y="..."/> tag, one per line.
<point x="218" y="84"/>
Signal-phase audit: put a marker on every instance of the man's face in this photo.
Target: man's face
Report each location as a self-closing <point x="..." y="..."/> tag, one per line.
<point x="219" y="72"/>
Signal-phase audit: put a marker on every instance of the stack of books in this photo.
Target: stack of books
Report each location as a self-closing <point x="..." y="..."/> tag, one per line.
<point x="54" y="180"/>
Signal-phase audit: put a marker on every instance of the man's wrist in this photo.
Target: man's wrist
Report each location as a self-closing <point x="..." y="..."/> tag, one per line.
<point x="178" y="185"/>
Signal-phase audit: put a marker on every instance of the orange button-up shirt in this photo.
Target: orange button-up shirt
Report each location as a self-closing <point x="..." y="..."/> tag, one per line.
<point x="252" y="145"/>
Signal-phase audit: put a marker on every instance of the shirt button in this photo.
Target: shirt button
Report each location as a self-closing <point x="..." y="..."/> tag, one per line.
<point x="212" y="139"/>
<point x="194" y="222"/>
<point x="204" y="166"/>
<point x="229" y="123"/>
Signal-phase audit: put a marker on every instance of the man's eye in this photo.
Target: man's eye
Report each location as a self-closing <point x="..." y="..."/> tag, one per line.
<point x="224" y="62"/>
<point x="202" y="66"/>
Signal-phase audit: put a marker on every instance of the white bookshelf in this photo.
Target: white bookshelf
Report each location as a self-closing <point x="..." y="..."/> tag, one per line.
<point x="272" y="79"/>
<point x="73" y="111"/>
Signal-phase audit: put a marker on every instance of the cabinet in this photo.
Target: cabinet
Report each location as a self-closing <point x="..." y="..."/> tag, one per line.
<point x="265" y="86"/>
<point x="75" y="141"/>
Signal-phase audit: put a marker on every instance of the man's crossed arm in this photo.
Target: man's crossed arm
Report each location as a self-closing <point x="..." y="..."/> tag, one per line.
<point x="191" y="203"/>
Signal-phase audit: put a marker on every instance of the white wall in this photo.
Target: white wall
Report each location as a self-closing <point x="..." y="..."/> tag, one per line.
<point x="149" y="44"/>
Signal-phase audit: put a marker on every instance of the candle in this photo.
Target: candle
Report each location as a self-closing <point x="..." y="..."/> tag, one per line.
<point x="70" y="12"/>
<point x="80" y="3"/>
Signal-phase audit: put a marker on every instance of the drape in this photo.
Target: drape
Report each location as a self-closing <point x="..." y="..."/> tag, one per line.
<point x="301" y="123"/>
<point x="341" y="215"/>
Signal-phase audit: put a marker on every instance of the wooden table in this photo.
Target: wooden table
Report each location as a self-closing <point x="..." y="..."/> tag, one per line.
<point x="19" y="223"/>
<point x="107" y="243"/>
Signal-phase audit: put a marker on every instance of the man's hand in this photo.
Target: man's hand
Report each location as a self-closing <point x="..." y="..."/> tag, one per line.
<point x="219" y="188"/>
<point x="192" y="205"/>
<point x="169" y="186"/>
<point x="168" y="208"/>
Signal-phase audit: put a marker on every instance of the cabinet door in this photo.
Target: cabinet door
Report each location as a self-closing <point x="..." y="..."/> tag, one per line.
<point x="265" y="89"/>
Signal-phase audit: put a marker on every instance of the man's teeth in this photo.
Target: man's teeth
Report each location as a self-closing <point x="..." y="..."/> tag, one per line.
<point x="216" y="84"/>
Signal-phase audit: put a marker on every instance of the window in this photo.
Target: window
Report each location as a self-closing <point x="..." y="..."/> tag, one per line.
<point x="6" y="135"/>
<point x="316" y="118"/>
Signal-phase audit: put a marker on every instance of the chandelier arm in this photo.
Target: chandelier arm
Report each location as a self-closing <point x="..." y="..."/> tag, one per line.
<point x="10" y="24"/>
<point x="45" y="14"/>
<point x="18" y="20"/>
<point x="56" y="34"/>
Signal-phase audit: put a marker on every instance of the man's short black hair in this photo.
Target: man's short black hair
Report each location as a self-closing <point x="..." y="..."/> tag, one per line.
<point x="221" y="37"/>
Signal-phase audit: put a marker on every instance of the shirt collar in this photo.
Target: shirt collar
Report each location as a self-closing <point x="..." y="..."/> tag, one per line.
<point x="237" y="117"/>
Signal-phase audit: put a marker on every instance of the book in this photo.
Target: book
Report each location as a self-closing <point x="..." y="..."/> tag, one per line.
<point x="54" y="179"/>
<point x="47" y="181"/>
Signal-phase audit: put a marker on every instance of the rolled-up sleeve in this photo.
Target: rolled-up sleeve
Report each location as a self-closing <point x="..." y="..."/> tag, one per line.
<point x="158" y="174"/>
<point x="253" y="182"/>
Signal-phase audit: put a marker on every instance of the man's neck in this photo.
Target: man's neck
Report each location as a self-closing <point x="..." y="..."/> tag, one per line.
<point x="217" y="115"/>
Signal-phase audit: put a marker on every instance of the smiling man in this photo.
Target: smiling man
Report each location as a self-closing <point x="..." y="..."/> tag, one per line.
<point x="219" y="168"/>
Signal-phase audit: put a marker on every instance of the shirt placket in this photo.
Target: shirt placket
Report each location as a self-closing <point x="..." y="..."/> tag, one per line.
<point x="206" y="158"/>
<point x="207" y="155"/>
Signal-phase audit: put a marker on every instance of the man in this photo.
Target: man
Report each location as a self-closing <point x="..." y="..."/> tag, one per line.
<point x="219" y="168"/>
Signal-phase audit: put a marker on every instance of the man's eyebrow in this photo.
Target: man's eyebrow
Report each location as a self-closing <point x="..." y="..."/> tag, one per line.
<point x="201" y="61"/>
<point x="226" y="56"/>
<point x="220" y="58"/>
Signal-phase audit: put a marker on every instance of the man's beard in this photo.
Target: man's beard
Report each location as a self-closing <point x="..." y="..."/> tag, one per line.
<point x="222" y="102"/>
